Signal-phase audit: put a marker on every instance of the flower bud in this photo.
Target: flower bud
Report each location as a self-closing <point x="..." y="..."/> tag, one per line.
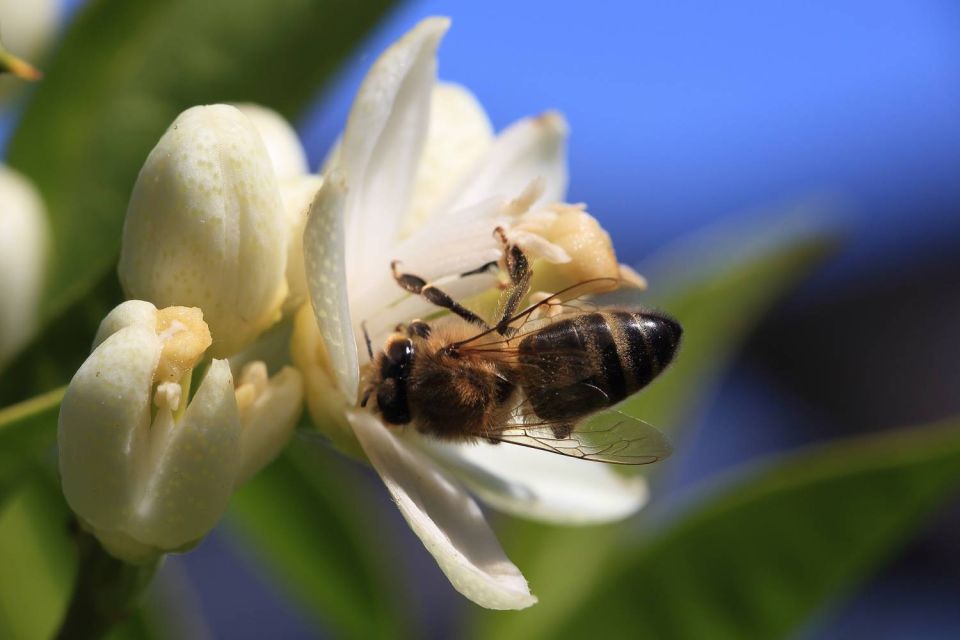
<point x="23" y="251"/>
<point x="146" y="468"/>
<point x="269" y="409"/>
<point x="28" y="29"/>
<point x="324" y="401"/>
<point x="286" y="153"/>
<point x="206" y="227"/>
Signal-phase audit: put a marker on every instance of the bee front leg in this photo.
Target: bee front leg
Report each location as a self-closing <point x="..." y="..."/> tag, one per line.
<point x="419" y="286"/>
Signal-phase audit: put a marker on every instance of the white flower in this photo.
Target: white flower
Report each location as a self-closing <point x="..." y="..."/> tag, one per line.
<point x="23" y="253"/>
<point x="206" y="227"/>
<point x="420" y="178"/>
<point x="146" y="468"/>
<point x="27" y="29"/>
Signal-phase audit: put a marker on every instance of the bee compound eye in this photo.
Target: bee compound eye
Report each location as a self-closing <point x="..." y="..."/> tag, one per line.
<point x="400" y="352"/>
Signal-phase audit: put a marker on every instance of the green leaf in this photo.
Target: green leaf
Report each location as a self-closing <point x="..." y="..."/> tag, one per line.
<point x="121" y="74"/>
<point x="762" y="555"/>
<point x="38" y="559"/>
<point x="312" y="523"/>
<point x="717" y="311"/>
<point x="27" y="431"/>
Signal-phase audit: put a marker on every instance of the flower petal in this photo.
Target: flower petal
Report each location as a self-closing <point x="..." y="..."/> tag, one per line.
<point x="529" y="149"/>
<point x="298" y="193"/>
<point x="103" y="426"/>
<point x="132" y="313"/>
<point x="383" y="141"/>
<point x="286" y="153"/>
<point x="269" y="419"/>
<point x="189" y="476"/>
<point x="324" y="261"/>
<point x="325" y="402"/>
<point x="542" y="486"/>
<point x="451" y="245"/>
<point x="459" y="135"/>
<point x="445" y="518"/>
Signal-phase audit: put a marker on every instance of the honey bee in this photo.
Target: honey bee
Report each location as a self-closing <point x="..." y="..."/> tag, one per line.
<point x="544" y="377"/>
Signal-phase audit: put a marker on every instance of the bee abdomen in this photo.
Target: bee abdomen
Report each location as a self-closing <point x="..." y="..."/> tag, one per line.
<point x="595" y="360"/>
<point x="649" y="341"/>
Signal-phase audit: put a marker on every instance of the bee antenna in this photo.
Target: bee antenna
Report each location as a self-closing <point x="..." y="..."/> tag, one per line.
<point x="366" y="397"/>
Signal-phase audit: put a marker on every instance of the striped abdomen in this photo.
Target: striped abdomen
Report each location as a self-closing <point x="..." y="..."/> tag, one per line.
<point x="578" y="365"/>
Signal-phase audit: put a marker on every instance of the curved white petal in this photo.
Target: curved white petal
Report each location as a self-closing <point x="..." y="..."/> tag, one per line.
<point x="103" y="426"/>
<point x="542" y="486"/>
<point x="298" y="194"/>
<point x="445" y="518"/>
<point x="455" y="243"/>
<point x="383" y="142"/>
<point x="286" y="153"/>
<point x="459" y="135"/>
<point x="529" y="149"/>
<point x="192" y="464"/>
<point x="325" y="264"/>
<point x="138" y="313"/>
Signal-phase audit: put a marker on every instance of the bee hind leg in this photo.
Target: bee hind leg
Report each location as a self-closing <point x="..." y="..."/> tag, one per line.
<point x="562" y="431"/>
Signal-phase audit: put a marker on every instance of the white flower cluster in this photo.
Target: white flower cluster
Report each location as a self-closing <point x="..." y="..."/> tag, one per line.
<point x="147" y="466"/>
<point x="226" y="229"/>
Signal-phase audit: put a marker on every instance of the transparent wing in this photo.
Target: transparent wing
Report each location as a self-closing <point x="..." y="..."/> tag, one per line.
<point x="609" y="436"/>
<point x="572" y="299"/>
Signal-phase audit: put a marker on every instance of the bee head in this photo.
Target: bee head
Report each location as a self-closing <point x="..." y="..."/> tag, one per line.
<point x="394" y="367"/>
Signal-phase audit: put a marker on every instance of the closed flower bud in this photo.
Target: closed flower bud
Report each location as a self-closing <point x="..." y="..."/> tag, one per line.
<point x="286" y="153"/>
<point x="146" y="468"/>
<point x="206" y="227"/>
<point x="23" y="251"/>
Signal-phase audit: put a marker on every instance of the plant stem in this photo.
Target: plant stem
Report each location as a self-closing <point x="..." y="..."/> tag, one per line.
<point x="105" y="592"/>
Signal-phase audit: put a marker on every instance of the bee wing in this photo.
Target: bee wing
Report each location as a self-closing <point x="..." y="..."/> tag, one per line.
<point x="609" y="436"/>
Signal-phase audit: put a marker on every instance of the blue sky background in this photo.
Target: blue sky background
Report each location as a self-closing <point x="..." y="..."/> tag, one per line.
<point x="684" y="113"/>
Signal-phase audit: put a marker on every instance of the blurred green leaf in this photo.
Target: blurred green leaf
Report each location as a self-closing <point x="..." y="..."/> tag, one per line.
<point x="310" y="520"/>
<point x="758" y="558"/>
<point x="716" y="310"/>
<point x="121" y="74"/>
<point x="38" y="559"/>
<point x="27" y="430"/>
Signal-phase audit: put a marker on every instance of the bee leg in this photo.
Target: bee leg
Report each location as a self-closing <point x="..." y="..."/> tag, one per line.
<point x="562" y="431"/>
<point x="492" y="440"/>
<point x="418" y="328"/>
<point x="419" y="286"/>
<point x="518" y="268"/>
